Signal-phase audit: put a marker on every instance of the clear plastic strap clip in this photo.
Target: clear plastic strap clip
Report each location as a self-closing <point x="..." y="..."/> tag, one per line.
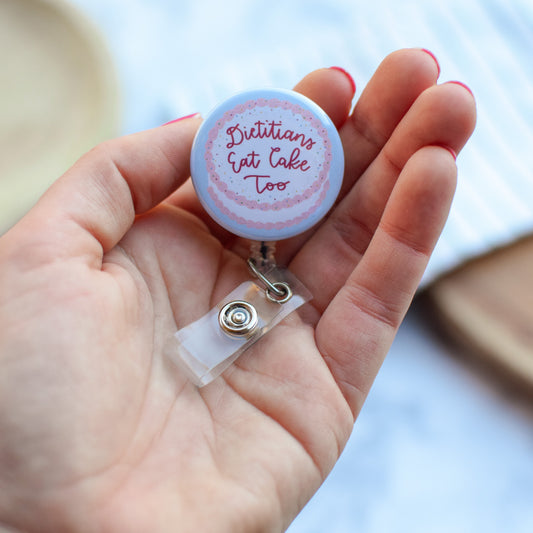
<point x="205" y="348"/>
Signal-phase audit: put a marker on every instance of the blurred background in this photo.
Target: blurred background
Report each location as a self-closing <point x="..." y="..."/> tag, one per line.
<point x="445" y="440"/>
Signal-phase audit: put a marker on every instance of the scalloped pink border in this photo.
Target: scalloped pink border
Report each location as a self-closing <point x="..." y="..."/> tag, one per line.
<point x="268" y="225"/>
<point x="280" y="204"/>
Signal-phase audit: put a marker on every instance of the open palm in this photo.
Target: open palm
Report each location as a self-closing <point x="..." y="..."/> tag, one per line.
<point x="99" y="431"/>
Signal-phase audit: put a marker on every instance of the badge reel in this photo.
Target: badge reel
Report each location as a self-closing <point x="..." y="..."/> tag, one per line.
<point x="266" y="165"/>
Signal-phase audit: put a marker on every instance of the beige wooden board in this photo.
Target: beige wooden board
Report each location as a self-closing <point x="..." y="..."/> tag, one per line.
<point x="58" y="97"/>
<point x="487" y="305"/>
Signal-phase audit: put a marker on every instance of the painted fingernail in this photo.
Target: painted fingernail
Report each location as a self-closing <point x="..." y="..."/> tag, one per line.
<point x="462" y="85"/>
<point x="434" y="57"/>
<point x="451" y="150"/>
<point x="193" y="115"/>
<point x="348" y="75"/>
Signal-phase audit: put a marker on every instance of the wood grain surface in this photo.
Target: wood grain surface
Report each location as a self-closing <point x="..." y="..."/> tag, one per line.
<point x="487" y="306"/>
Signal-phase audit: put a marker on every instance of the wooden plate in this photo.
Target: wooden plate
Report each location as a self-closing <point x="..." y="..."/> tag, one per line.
<point x="58" y="98"/>
<point x="487" y="305"/>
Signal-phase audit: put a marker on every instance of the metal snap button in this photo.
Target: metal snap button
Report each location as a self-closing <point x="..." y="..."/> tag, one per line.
<point x="238" y="319"/>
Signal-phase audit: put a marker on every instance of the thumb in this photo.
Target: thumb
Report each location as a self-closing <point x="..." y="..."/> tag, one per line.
<point x="90" y="208"/>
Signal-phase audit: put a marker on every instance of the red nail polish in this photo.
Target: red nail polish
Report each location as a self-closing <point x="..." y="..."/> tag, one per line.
<point x="434" y="57"/>
<point x="348" y="75"/>
<point x="451" y="150"/>
<point x="182" y="118"/>
<point x="462" y="85"/>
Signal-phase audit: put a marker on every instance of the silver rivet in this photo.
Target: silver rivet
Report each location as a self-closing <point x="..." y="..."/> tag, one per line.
<point x="283" y="289"/>
<point x="238" y="318"/>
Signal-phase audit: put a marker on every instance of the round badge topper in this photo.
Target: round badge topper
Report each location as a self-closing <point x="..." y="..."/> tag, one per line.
<point x="267" y="164"/>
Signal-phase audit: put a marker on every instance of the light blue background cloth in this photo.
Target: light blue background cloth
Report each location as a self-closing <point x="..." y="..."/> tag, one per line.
<point x="436" y="448"/>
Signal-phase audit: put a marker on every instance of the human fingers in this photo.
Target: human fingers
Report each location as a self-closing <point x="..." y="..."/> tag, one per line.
<point x="332" y="89"/>
<point x="443" y="115"/>
<point x="398" y="81"/>
<point x="89" y="209"/>
<point x="357" y="328"/>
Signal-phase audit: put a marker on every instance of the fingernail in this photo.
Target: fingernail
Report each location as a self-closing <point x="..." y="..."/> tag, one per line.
<point x="434" y="57"/>
<point x="182" y="118"/>
<point x="348" y="75"/>
<point x="462" y="85"/>
<point x="451" y="150"/>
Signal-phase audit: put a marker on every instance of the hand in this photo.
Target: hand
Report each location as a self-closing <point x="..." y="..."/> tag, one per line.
<point x="99" y="432"/>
